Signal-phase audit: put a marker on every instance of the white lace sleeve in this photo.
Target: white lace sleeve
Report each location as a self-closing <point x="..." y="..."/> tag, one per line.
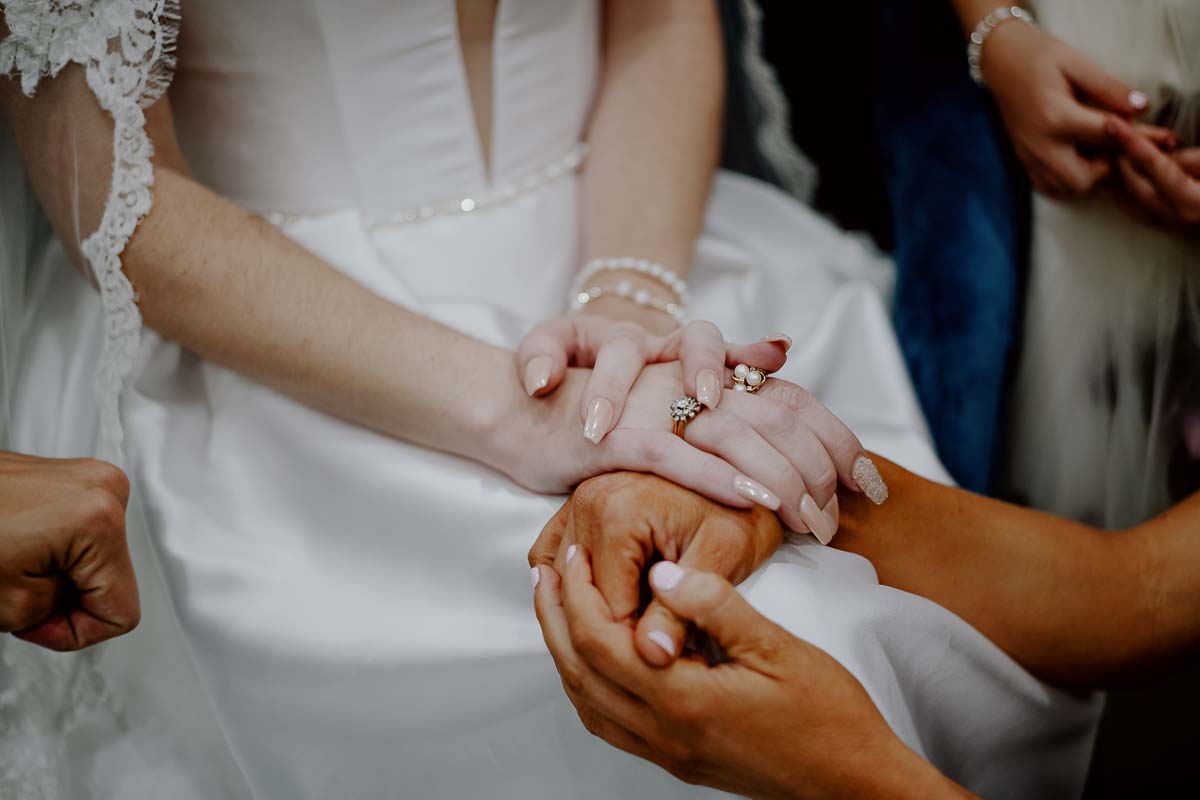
<point x="126" y="48"/>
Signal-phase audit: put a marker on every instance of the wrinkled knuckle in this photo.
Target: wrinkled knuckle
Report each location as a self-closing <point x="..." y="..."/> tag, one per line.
<point x="113" y="479"/>
<point x="100" y="509"/>
<point x="797" y="398"/>
<point x="572" y="680"/>
<point x="825" y="484"/>
<point x="654" y="450"/>
<point x="585" y="641"/>
<point x="591" y="722"/>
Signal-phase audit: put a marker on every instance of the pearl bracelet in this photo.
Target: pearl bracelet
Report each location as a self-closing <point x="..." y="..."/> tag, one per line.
<point x="625" y="290"/>
<point x="984" y="29"/>
<point x="654" y="270"/>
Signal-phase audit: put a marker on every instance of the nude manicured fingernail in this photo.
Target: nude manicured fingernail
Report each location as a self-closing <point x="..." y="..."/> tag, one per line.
<point x="534" y="577"/>
<point x="663" y="641"/>
<point x="816" y="521"/>
<point x="781" y="338"/>
<point x="1138" y="100"/>
<point x="666" y="575"/>
<point x="571" y="551"/>
<point x="599" y="420"/>
<point x="537" y="374"/>
<point x="833" y="513"/>
<point x="708" y="388"/>
<point x="867" y="477"/>
<point x="753" y="490"/>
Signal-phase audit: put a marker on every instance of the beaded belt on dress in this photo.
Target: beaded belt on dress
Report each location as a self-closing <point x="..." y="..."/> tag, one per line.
<point x="464" y="205"/>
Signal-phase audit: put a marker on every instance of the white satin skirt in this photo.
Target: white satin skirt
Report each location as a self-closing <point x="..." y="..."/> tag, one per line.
<point x="354" y="613"/>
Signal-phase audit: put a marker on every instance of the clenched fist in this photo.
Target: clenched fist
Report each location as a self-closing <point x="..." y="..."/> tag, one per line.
<point x="66" y="580"/>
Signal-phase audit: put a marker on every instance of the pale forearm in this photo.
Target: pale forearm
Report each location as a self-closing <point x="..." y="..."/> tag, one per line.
<point x="655" y="131"/>
<point x="238" y="292"/>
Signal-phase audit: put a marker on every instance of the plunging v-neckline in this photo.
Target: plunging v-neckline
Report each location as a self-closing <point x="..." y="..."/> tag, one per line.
<point x="481" y="99"/>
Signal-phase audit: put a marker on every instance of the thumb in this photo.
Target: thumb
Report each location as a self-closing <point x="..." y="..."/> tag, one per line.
<point x="716" y="608"/>
<point x="545" y="548"/>
<point x="1112" y="94"/>
<point x="543" y="355"/>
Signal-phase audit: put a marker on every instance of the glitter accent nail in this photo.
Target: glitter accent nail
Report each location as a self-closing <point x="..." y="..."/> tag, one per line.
<point x="867" y="476"/>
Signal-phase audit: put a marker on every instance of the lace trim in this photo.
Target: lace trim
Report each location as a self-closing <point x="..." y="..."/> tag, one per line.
<point x="127" y="48"/>
<point x="774" y="138"/>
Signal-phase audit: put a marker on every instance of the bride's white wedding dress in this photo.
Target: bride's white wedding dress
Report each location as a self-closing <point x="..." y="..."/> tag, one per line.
<point x="346" y="615"/>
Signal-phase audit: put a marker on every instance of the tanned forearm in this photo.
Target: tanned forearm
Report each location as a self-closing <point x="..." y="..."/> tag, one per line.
<point x="655" y="133"/>
<point x="1074" y="605"/>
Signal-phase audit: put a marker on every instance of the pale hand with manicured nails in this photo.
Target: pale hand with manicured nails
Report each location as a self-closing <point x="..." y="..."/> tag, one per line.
<point x="617" y="349"/>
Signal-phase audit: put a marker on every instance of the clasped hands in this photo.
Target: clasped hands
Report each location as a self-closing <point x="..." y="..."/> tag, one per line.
<point x="764" y="721"/>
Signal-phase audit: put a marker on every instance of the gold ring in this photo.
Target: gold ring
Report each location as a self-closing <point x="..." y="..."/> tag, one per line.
<point x="748" y="379"/>
<point x="683" y="411"/>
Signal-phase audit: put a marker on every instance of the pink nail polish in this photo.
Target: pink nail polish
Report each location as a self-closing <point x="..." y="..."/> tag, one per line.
<point x="666" y="643"/>
<point x="534" y="577"/>
<point x="666" y="575"/>
<point x="571" y="551"/>
<point x="1138" y="100"/>
<point x="753" y="490"/>
<point x="537" y="374"/>
<point x="867" y="477"/>
<point x="817" y="522"/>
<point x="708" y="388"/>
<point x="781" y="338"/>
<point x="599" y="420"/>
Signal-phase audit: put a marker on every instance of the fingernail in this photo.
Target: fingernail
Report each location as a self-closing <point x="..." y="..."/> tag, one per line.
<point x="666" y="575"/>
<point x="662" y="640"/>
<point x="599" y="418"/>
<point x="816" y="521"/>
<point x="534" y="577"/>
<point x="867" y="477"/>
<point x="571" y="551"/>
<point x="537" y="374"/>
<point x="755" y="491"/>
<point x="708" y="388"/>
<point x="833" y="513"/>
<point x="1138" y="100"/>
<point x="781" y="338"/>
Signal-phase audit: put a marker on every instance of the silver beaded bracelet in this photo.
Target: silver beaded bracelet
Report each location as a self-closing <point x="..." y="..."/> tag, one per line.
<point x="993" y="20"/>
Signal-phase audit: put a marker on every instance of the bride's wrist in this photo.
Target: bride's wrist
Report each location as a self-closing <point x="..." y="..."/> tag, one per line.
<point x="516" y="428"/>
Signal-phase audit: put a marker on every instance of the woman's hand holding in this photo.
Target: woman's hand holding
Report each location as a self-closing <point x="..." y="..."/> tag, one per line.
<point x="779" y="448"/>
<point x="1053" y="100"/>
<point x="1160" y="187"/>
<point x="779" y="718"/>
